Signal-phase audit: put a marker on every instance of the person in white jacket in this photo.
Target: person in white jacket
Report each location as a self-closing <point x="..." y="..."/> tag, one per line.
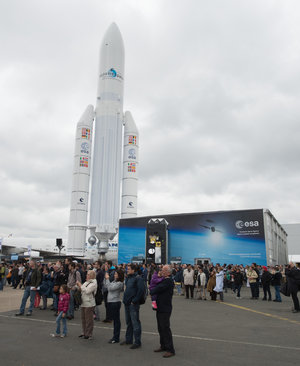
<point x="220" y="283"/>
<point x="201" y="279"/>
<point x="88" y="291"/>
<point x="188" y="280"/>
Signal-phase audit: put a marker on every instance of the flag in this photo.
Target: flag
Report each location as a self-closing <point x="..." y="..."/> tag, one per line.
<point x="132" y="140"/>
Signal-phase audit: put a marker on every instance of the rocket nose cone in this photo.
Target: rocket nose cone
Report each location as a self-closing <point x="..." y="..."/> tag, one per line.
<point x="113" y="28"/>
<point x="113" y="34"/>
<point x="87" y="116"/>
<point x="129" y="123"/>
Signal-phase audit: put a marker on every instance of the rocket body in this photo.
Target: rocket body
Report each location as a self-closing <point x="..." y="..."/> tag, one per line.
<point x="107" y="154"/>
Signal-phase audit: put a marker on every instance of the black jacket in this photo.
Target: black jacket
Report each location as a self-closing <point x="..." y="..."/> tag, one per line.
<point x="238" y="278"/>
<point x="100" y="277"/>
<point x="277" y="279"/>
<point x="134" y="289"/>
<point x="164" y="292"/>
<point x="34" y="278"/>
<point x="178" y="276"/>
<point x="266" y="278"/>
<point x="293" y="278"/>
<point x="59" y="278"/>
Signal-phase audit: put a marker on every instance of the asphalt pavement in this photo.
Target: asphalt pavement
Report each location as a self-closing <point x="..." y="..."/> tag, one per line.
<point x="235" y="332"/>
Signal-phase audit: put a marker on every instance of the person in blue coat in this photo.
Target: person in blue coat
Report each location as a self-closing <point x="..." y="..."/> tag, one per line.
<point x="46" y="288"/>
<point x="131" y="299"/>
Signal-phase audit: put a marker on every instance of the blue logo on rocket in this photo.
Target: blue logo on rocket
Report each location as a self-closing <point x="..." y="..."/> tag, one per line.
<point x="112" y="72"/>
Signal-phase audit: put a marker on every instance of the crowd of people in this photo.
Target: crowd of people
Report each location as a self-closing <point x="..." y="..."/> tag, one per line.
<point x="72" y="285"/>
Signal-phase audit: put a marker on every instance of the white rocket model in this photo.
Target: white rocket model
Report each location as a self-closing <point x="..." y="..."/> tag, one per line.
<point x="106" y="173"/>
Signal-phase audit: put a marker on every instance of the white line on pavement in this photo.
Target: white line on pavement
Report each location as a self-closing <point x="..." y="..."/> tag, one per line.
<point x="174" y="335"/>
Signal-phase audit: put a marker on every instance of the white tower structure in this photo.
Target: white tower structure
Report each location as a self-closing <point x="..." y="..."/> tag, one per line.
<point x="80" y="184"/>
<point x="107" y="154"/>
<point x="130" y="167"/>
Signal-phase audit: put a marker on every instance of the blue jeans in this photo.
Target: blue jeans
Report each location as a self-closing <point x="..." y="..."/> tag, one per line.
<point x="55" y="301"/>
<point x="134" y="328"/>
<point x="238" y="289"/>
<point x="71" y="304"/>
<point x="114" y="311"/>
<point x="27" y="293"/>
<point x="178" y="288"/>
<point x="64" y="321"/>
<point x="277" y="293"/>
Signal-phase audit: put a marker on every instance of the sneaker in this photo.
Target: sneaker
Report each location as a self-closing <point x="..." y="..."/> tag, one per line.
<point x="89" y="338"/>
<point x="112" y="341"/>
<point x="29" y="313"/>
<point x="63" y="335"/>
<point x="54" y="335"/>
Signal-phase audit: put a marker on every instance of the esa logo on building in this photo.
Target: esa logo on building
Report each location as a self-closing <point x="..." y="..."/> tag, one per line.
<point x="239" y="224"/>
<point x="131" y="154"/>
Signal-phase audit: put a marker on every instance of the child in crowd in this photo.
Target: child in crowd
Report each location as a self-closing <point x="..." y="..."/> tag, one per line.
<point x="63" y="306"/>
<point x="155" y="280"/>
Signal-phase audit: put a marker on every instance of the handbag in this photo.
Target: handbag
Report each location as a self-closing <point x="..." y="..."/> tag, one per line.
<point x="284" y="289"/>
<point x="98" y="297"/>
<point x="37" y="300"/>
<point x="77" y="297"/>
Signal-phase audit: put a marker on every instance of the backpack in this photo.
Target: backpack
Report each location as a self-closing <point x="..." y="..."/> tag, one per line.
<point x="145" y="292"/>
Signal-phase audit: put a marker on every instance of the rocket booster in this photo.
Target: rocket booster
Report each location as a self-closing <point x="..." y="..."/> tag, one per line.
<point x="80" y="184"/>
<point x="130" y="167"/>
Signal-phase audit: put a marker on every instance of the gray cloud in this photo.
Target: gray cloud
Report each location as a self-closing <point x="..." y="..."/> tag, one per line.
<point x="214" y="90"/>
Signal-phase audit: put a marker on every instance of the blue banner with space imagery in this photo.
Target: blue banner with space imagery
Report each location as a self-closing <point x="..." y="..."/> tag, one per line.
<point x="231" y="237"/>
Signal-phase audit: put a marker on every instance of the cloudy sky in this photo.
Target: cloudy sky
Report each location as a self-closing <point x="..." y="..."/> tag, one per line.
<point x="214" y="87"/>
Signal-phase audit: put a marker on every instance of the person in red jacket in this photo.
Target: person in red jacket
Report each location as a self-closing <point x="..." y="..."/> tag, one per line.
<point x="63" y="306"/>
